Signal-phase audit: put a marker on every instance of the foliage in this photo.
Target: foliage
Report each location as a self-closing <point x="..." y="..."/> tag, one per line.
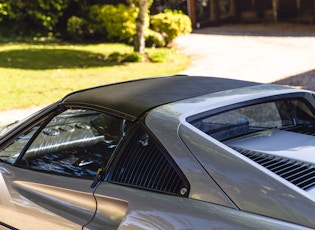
<point x="159" y="57"/>
<point x="116" y="23"/>
<point x="74" y="25"/>
<point x="76" y="28"/>
<point x="133" y="57"/>
<point x="136" y="2"/>
<point x="154" y="39"/>
<point x="153" y="55"/>
<point x="80" y="20"/>
<point x="117" y="57"/>
<point x="30" y="16"/>
<point x="4" y="10"/>
<point x="171" y="24"/>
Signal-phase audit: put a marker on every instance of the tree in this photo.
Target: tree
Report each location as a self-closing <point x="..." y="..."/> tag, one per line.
<point x="139" y="43"/>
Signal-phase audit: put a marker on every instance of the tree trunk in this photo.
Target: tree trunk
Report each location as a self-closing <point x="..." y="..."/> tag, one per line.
<point x="140" y="27"/>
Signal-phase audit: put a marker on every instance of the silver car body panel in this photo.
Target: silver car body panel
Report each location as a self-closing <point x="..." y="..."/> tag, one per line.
<point x="250" y="186"/>
<point x="163" y="123"/>
<point x="42" y="199"/>
<point x="149" y="210"/>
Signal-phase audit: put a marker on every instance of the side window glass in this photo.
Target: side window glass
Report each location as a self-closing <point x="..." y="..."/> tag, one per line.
<point x="11" y="152"/>
<point x="75" y="143"/>
<point x="144" y="164"/>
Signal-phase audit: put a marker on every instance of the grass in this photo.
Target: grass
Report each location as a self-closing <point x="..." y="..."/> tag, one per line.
<point x="37" y="74"/>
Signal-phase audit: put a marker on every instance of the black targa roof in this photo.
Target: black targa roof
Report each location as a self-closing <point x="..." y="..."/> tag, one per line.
<point x="133" y="98"/>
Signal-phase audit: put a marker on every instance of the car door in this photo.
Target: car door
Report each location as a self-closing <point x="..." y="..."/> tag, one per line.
<point x="47" y="168"/>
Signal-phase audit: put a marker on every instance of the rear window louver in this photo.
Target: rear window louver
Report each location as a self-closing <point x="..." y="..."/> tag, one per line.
<point x="299" y="173"/>
<point x="144" y="165"/>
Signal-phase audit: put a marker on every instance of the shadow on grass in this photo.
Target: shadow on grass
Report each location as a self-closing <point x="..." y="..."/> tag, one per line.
<point x="304" y="80"/>
<point x="44" y="59"/>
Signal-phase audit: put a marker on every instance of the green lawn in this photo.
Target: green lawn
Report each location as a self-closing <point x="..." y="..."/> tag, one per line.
<point x="34" y="75"/>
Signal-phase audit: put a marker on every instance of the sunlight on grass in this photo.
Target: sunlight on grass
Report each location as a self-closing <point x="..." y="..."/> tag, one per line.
<point x="33" y="75"/>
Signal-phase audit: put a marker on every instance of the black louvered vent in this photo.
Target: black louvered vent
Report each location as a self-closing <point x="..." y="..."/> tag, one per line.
<point x="303" y="129"/>
<point x="300" y="173"/>
<point x="144" y="165"/>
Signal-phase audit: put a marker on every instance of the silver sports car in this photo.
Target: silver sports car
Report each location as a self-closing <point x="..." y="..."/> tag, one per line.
<point x="177" y="152"/>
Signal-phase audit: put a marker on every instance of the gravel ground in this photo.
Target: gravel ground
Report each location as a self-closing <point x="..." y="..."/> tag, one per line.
<point x="277" y="53"/>
<point x="268" y="53"/>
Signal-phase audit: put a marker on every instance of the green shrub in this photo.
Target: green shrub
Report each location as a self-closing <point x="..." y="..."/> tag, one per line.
<point x="158" y="57"/>
<point x="133" y="57"/>
<point x="154" y="39"/>
<point x="116" y="23"/>
<point x="5" y="10"/>
<point x="31" y="17"/>
<point x="75" y="26"/>
<point x="115" y="57"/>
<point x="161" y="55"/>
<point x="171" y="24"/>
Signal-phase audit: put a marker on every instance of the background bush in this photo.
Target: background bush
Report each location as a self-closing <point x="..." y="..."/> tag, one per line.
<point x="154" y="39"/>
<point x="29" y="17"/>
<point x="114" y="23"/>
<point x="80" y="21"/>
<point x="118" y="23"/>
<point x="133" y="57"/>
<point x="75" y="27"/>
<point x="171" y="24"/>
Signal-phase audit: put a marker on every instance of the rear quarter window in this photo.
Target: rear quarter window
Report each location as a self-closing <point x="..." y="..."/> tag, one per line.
<point x="257" y="117"/>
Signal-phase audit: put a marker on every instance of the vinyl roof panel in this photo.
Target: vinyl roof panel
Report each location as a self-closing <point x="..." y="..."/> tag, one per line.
<point x="133" y="98"/>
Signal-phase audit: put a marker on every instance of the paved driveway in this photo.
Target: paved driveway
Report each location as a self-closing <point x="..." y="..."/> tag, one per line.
<point x="255" y="52"/>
